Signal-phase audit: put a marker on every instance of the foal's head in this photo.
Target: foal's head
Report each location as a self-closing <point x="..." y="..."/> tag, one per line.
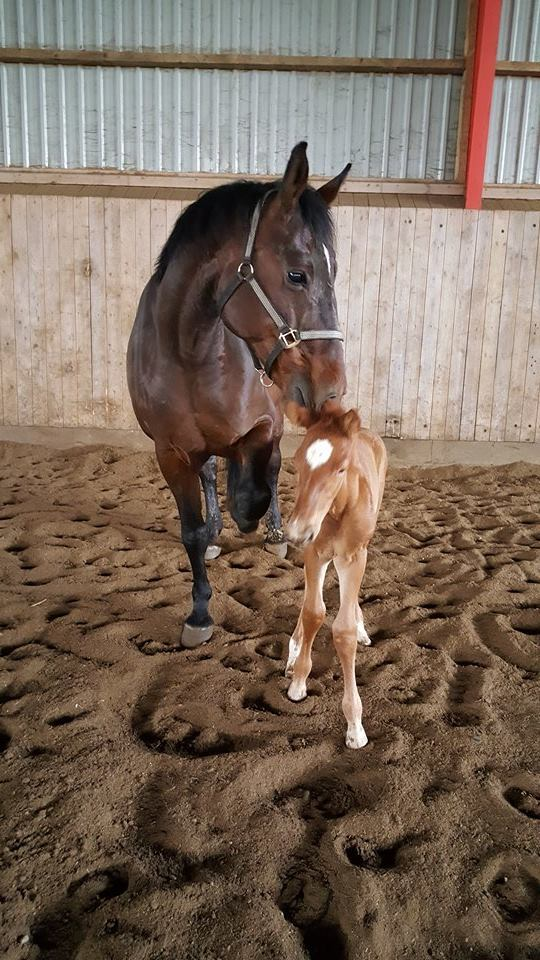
<point x="321" y="462"/>
<point x="294" y="262"/>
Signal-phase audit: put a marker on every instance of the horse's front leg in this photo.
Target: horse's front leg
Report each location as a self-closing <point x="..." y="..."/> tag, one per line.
<point x="185" y="486"/>
<point x="214" y="520"/>
<point x="274" y="540"/>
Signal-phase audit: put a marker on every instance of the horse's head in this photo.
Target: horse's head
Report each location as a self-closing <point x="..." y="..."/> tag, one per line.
<point x="294" y="264"/>
<point x="322" y="463"/>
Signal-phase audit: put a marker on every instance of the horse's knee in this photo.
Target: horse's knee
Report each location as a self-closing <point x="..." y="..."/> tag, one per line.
<point x="195" y="537"/>
<point x="313" y="618"/>
<point x="345" y="641"/>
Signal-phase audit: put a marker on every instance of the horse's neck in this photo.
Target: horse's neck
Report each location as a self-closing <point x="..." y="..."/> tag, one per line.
<point x="188" y="323"/>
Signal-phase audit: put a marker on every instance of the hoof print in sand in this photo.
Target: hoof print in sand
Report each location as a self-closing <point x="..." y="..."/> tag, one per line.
<point x="523" y="794"/>
<point x="269" y="698"/>
<point x="465" y="694"/>
<point x="330" y="799"/>
<point x="242" y="663"/>
<point x="304" y="901"/>
<point x="60" y="930"/>
<point x="514" y="889"/>
<point x="183" y="739"/>
<point x="369" y="855"/>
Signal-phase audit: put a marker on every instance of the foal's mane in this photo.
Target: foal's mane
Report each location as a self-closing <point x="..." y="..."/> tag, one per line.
<point x="211" y="218"/>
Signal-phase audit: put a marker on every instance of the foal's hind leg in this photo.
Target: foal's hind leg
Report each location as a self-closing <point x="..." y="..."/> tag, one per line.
<point x="274" y="540"/>
<point x="346" y="630"/>
<point x="214" y="521"/>
<point x="185" y="486"/>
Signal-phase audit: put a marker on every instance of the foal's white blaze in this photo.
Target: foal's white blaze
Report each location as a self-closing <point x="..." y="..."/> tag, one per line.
<point x="327" y="255"/>
<point x="318" y="452"/>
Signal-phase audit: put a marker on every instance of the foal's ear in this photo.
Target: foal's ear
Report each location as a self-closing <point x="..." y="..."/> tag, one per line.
<point x="295" y="177"/>
<point x="330" y="190"/>
<point x="350" y="423"/>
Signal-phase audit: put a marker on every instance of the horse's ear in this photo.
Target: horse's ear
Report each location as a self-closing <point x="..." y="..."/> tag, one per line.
<point x="330" y="190"/>
<point x="295" y="177"/>
<point x="350" y="423"/>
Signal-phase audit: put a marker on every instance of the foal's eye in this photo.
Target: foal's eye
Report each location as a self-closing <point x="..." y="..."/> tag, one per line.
<point x="342" y="470"/>
<point x="297" y="277"/>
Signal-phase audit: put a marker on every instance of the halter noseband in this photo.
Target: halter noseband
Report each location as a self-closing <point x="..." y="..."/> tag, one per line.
<point x="288" y="337"/>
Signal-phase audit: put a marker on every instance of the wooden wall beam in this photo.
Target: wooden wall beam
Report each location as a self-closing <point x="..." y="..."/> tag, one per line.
<point x="518" y="68"/>
<point x="41" y="178"/>
<point x="226" y="61"/>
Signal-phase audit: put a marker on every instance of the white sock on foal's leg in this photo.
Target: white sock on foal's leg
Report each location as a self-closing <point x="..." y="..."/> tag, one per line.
<point x="356" y="736"/>
<point x="294" y="649"/>
<point x="297" y="690"/>
<point x="362" y="635"/>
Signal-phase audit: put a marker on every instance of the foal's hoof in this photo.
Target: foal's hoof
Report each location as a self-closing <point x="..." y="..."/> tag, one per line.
<point x="356" y="736"/>
<point x="195" y="636"/>
<point x="297" y="691"/>
<point x="278" y="549"/>
<point x="212" y="552"/>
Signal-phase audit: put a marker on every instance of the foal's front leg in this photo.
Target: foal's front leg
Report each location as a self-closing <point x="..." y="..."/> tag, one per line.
<point x="348" y="628"/>
<point x="311" y="617"/>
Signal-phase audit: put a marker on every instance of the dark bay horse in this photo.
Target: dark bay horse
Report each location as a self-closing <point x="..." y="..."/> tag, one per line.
<point x="237" y="324"/>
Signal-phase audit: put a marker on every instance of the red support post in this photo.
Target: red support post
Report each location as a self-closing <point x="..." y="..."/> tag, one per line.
<point x="485" y="60"/>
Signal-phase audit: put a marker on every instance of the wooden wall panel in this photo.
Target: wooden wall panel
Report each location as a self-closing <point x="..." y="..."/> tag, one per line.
<point x="440" y="308"/>
<point x="8" y="343"/>
<point x="54" y="410"/>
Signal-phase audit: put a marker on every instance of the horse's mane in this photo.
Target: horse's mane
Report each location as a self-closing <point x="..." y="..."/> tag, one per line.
<point x="210" y="219"/>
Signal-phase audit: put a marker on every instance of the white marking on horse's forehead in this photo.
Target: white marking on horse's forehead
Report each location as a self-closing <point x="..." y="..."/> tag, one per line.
<point x="317" y="453"/>
<point x="327" y="255"/>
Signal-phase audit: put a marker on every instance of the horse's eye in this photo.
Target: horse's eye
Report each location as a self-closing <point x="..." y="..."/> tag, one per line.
<point x="298" y="277"/>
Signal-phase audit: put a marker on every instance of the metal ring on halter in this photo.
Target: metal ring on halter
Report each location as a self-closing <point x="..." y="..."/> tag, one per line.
<point x="266" y="383"/>
<point x="289" y="338"/>
<point x="245" y="270"/>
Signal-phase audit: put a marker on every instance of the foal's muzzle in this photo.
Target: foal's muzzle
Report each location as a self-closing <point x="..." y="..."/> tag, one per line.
<point x="297" y="535"/>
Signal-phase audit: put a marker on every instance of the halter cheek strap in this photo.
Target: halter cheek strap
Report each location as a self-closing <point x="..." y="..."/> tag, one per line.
<point x="287" y="336"/>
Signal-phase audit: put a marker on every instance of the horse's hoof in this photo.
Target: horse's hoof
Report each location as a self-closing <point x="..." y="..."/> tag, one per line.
<point x="212" y="552"/>
<point x="278" y="549"/>
<point x="195" y="636"/>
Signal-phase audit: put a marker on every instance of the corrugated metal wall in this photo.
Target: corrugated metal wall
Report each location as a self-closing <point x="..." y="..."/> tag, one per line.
<point x="346" y="28"/>
<point x="514" y="133"/>
<point x="233" y="121"/>
<point x="228" y="121"/>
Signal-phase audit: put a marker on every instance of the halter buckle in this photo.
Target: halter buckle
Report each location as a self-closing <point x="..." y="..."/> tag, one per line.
<point x="245" y="270"/>
<point x="289" y="338"/>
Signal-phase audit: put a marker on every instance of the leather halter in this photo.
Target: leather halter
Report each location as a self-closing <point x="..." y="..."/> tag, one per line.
<point x="287" y="337"/>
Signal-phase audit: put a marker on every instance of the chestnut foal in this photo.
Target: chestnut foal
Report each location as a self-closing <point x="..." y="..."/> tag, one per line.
<point x="341" y="473"/>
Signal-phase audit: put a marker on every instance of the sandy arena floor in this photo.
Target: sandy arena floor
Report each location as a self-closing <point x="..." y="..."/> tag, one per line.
<point x="166" y="805"/>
